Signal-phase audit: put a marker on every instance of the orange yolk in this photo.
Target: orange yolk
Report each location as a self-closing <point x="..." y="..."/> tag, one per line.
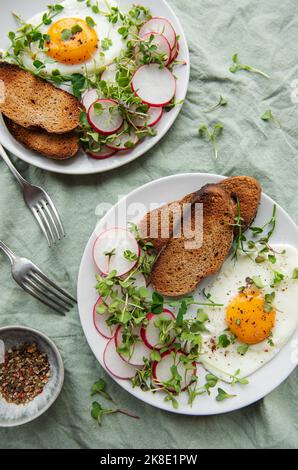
<point x="78" y="48"/>
<point x="247" y="319"/>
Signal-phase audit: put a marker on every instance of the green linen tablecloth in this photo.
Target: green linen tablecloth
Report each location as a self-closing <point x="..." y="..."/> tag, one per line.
<point x="265" y="35"/>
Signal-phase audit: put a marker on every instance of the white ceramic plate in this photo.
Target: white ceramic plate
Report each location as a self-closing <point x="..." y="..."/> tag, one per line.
<point x="132" y="207"/>
<point x="82" y="164"/>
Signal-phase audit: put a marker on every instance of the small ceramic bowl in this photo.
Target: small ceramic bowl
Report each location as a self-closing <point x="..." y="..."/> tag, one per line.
<point x="15" y="415"/>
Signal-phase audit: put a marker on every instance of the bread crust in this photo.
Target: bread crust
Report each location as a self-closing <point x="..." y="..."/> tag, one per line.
<point x="178" y="270"/>
<point x="55" y="146"/>
<point x="33" y="102"/>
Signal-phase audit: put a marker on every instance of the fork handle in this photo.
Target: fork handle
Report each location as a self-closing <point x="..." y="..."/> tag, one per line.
<point x="22" y="182"/>
<point x="7" y="251"/>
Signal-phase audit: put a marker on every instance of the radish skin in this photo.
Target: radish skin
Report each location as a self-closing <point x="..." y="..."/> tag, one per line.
<point x="154" y="116"/>
<point x="106" y="123"/>
<point x="153" y="85"/>
<point x="120" y="239"/>
<point x="105" y="152"/>
<point x="100" y="321"/>
<point x="140" y="349"/>
<point x="162" y="370"/>
<point x="160" y="25"/>
<point x="150" y="334"/>
<point x="115" y="365"/>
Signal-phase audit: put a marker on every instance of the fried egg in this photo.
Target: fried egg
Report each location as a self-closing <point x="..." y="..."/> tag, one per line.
<point x="80" y="40"/>
<point x="256" y="331"/>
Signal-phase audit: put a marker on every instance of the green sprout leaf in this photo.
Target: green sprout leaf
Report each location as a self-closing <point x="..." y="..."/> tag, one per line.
<point x="269" y="116"/>
<point x="221" y="102"/>
<point x="212" y="135"/>
<point x="222" y="395"/>
<point x="99" y="387"/>
<point x="238" y="66"/>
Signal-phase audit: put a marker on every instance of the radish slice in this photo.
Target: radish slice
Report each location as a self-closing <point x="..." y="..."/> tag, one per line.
<point x="109" y="120"/>
<point x="109" y="75"/>
<point x="154" y="85"/>
<point x="154" y="116"/>
<point x="105" y="152"/>
<point x="140" y="350"/>
<point x="162" y="370"/>
<point x="162" y="47"/>
<point x="150" y="333"/>
<point x="115" y="365"/>
<point x="100" y="321"/>
<point x="175" y="52"/>
<point x="159" y="25"/>
<point x="89" y="97"/>
<point x="117" y="239"/>
<point x="121" y="142"/>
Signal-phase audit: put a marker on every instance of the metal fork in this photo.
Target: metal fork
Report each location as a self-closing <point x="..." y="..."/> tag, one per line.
<point x="40" y="204"/>
<point x="36" y="283"/>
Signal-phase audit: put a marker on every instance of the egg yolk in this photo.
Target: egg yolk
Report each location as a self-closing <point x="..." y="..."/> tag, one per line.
<point x="247" y="317"/>
<point x="72" y="41"/>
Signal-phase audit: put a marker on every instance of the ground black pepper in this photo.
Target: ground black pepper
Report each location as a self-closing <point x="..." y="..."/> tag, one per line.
<point x="23" y="374"/>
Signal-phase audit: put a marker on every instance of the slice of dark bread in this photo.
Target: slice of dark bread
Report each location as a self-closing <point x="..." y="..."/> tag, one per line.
<point x="56" y="146"/>
<point x="32" y="102"/>
<point x="156" y="226"/>
<point x="178" y="269"/>
<point x="245" y="188"/>
<point x="248" y="191"/>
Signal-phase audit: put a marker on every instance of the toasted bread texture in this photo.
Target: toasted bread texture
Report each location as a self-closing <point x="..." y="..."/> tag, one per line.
<point x="32" y="102"/>
<point x="56" y="146"/>
<point x="248" y="191"/>
<point x="156" y="226"/>
<point x="245" y="188"/>
<point x="178" y="269"/>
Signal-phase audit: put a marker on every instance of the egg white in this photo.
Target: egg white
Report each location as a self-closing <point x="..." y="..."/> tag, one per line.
<point x="224" y="362"/>
<point x="104" y="29"/>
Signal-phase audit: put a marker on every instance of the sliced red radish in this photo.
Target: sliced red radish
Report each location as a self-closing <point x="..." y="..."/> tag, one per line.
<point x="115" y="365"/>
<point x="109" y="75"/>
<point x="150" y="333"/>
<point x="89" y="97"/>
<point x="160" y="25"/>
<point x="154" y="115"/>
<point x="175" y="52"/>
<point x="105" y="117"/>
<point x="100" y="321"/>
<point x="139" y="350"/>
<point x="116" y="240"/>
<point x="125" y="141"/>
<point x="162" y="370"/>
<point x="162" y="47"/>
<point x="154" y="85"/>
<point x="105" y="152"/>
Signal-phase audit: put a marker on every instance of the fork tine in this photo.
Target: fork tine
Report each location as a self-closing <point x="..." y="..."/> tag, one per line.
<point x="46" y="222"/>
<point x="42" y="284"/>
<point x="46" y="279"/>
<point x="45" y="302"/>
<point x="51" y="204"/>
<point x="41" y="291"/>
<point x="40" y="223"/>
<point x="48" y="212"/>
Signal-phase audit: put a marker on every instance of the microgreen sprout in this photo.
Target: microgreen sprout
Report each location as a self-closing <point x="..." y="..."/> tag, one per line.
<point x="222" y="395"/>
<point x="212" y="135"/>
<point x="269" y="117"/>
<point x="238" y="66"/>
<point x="221" y="102"/>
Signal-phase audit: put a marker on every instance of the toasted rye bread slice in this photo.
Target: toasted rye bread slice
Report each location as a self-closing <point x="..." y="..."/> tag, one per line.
<point x="156" y="226"/>
<point x="32" y="102"/>
<point x="245" y="188"/>
<point x="178" y="270"/>
<point x="56" y="146"/>
<point x="248" y="191"/>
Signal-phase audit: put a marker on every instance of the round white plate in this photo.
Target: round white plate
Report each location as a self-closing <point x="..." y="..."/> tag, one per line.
<point x="133" y="207"/>
<point x="82" y="164"/>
